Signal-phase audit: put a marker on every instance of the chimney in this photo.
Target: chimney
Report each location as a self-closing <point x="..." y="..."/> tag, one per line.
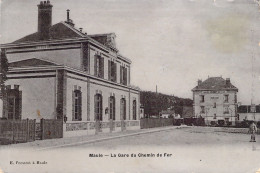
<point x="44" y="19"/>
<point x="199" y="82"/>
<point x="69" y="21"/>
<point x="227" y="81"/>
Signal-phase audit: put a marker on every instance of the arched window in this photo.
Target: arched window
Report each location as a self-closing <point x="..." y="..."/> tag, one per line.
<point x="123" y="109"/>
<point x="98" y="107"/>
<point x="112" y="109"/>
<point x="77" y="104"/>
<point x="134" y="110"/>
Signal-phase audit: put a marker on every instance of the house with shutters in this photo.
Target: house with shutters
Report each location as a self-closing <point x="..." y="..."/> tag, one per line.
<point x="61" y="72"/>
<point x="215" y="100"/>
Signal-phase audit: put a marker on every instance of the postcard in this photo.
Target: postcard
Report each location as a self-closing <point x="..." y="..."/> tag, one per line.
<point x="129" y="86"/>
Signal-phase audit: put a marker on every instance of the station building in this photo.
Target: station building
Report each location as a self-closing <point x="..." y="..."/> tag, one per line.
<point x="61" y="72"/>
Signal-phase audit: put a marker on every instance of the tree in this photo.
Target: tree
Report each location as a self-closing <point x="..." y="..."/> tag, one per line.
<point x="3" y="76"/>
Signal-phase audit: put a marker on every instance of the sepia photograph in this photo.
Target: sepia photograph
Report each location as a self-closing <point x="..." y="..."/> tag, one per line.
<point x="129" y="86"/>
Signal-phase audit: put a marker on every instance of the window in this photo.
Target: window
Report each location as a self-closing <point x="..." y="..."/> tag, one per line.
<point x="98" y="107"/>
<point x="215" y="105"/>
<point x="202" y="98"/>
<point x="202" y="109"/>
<point x="123" y="109"/>
<point x="112" y="71"/>
<point x="215" y="116"/>
<point x="123" y="75"/>
<point x="134" y="110"/>
<point x="99" y="66"/>
<point x="112" y="112"/>
<point x="226" y="98"/>
<point x="226" y="110"/>
<point x="85" y="61"/>
<point x="14" y="103"/>
<point x="11" y="107"/>
<point x="77" y="104"/>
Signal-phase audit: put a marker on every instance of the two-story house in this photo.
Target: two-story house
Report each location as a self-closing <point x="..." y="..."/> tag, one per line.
<point x="215" y="99"/>
<point x="61" y="72"/>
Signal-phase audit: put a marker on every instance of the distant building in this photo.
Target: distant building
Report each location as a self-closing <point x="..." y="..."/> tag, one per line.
<point x="247" y="112"/>
<point x="167" y="113"/>
<point x="215" y="99"/>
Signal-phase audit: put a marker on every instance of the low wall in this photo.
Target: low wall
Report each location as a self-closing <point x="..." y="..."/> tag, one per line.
<point x="75" y="128"/>
<point x="155" y="122"/>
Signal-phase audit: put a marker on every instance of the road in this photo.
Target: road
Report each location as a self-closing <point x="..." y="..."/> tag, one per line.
<point x="193" y="150"/>
<point x="196" y="149"/>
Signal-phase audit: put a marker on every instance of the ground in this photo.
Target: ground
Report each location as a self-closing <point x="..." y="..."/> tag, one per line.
<point x="188" y="149"/>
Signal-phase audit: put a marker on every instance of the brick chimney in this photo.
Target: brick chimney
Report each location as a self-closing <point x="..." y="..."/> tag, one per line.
<point x="199" y="82"/>
<point x="44" y="19"/>
<point x="227" y="81"/>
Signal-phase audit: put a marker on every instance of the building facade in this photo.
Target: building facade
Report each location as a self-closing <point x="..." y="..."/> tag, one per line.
<point x="215" y="99"/>
<point x="60" y="72"/>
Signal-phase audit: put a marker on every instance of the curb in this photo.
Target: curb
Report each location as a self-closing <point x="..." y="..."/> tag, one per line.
<point x="110" y="138"/>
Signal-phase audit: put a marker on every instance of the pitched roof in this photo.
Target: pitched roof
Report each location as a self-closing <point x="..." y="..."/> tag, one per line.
<point x="33" y="62"/>
<point x="215" y="83"/>
<point x="60" y="30"/>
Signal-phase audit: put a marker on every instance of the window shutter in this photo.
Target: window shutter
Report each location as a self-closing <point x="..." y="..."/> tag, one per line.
<point x="121" y="74"/>
<point x="101" y="67"/>
<point x="85" y="57"/>
<point x="115" y="72"/>
<point x="73" y="105"/>
<point x="125" y="76"/>
<point x="109" y="70"/>
<point x="95" y="65"/>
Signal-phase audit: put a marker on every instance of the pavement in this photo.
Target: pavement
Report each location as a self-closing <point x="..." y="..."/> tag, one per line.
<point x="87" y="139"/>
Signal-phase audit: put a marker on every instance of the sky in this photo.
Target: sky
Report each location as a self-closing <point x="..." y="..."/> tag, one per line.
<point x="172" y="43"/>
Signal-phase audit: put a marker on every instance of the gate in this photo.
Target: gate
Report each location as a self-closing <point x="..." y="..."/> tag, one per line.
<point x="15" y="131"/>
<point x="51" y="128"/>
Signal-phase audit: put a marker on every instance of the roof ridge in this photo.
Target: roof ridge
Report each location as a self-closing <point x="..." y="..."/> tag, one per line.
<point x="72" y="28"/>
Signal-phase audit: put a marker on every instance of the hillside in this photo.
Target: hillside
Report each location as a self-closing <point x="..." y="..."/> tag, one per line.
<point x="156" y="102"/>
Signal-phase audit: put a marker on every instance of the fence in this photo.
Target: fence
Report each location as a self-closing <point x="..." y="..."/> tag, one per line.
<point x="14" y="131"/>
<point x="155" y="122"/>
